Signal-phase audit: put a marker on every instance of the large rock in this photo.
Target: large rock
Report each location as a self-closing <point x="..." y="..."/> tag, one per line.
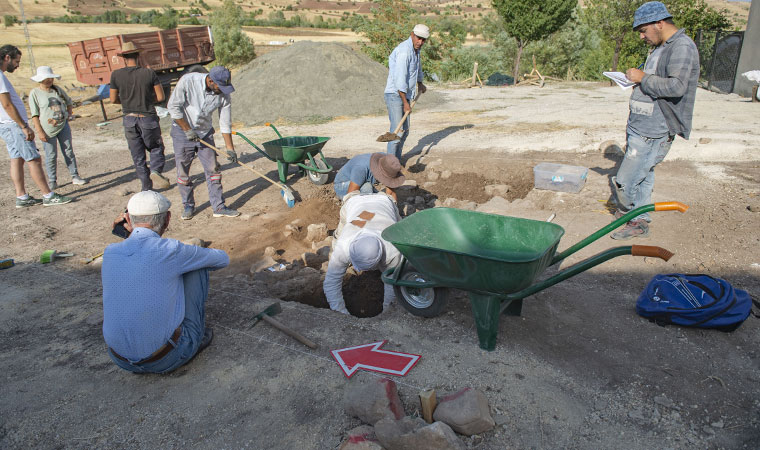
<point x="361" y="438"/>
<point x="412" y="433"/>
<point x="466" y="412"/>
<point x="316" y="232"/>
<point x="496" y="205"/>
<point x="373" y="400"/>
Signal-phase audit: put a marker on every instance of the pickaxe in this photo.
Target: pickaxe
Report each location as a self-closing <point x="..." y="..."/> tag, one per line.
<point x="273" y="309"/>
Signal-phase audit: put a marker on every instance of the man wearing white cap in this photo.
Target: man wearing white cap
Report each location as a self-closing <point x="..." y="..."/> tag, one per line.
<point x="404" y="83"/>
<point x="154" y="292"/>
<point x="363" y="218"/>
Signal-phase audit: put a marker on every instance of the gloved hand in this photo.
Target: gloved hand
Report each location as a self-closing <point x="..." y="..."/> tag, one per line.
<point x="191" y="135"/>
<point x="231" y="155"/>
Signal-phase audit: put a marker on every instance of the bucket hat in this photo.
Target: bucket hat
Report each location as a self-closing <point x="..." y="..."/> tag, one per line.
<point x="128" y="48"/>
<point x="43" y="73"/>
<point x="221" y="76"/>
<point x="650" y="12"/>
<point x="148" y="203"/>
<point x="386" y="169"/>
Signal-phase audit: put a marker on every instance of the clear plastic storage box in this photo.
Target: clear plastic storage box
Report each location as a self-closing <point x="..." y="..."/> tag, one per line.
<point x="559" y="177"/>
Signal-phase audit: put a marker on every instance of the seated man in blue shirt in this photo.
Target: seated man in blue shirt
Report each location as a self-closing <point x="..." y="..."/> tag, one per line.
<point x="362" y="172"/>
<point x="154" y="291"/>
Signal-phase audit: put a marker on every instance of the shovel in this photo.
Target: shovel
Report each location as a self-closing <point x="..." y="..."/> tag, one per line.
<point x="388" y="137"/>
<point x="285" y="192"/>
<point x="274" y="309"/>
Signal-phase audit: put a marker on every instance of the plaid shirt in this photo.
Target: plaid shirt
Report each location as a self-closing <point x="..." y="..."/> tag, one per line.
<point x="674" y="84"/>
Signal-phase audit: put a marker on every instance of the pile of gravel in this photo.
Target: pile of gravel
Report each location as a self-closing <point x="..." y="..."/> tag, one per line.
<point x="308" y="81"/>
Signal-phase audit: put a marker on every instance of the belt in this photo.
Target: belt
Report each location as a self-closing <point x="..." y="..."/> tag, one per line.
<point x="137" y="115"/>
<point x="158" y="354"/>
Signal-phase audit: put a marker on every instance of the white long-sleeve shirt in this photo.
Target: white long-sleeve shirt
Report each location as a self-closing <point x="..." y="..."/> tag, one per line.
<point x="190" y="100"/>
<point x="385" y="214"/>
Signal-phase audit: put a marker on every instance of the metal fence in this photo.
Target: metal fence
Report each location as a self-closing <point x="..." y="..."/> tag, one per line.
<point x="719" y="58"/>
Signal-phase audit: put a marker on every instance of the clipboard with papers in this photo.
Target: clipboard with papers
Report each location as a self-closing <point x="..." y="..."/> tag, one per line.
<point x="620" y="79"/>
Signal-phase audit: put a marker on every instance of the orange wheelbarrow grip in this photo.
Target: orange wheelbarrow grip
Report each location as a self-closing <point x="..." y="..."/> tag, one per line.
<point x="670" y="206"/>
<point x="651" y="250"/>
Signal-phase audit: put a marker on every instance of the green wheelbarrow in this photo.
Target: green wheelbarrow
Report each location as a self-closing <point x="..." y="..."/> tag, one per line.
<point x="299" y="150"/>
<point x="496" y="259"/>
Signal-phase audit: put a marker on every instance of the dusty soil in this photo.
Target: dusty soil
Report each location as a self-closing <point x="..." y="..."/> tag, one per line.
<point x="578" y="369"/>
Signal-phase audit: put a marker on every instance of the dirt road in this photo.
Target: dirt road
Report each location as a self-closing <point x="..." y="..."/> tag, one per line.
<point x="578" y="369"/>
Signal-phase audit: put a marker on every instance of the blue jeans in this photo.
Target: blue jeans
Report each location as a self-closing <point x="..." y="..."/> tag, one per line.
<point x="634" y="181"/>
<point x="341" y="188"/>
<point x="51" y="154"/>
<point x="395" y="113"/>
<point x="193" y="326"/>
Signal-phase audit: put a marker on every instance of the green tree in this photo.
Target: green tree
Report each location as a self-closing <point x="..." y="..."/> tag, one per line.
<point x="532" y="20"/>
<point x="613" y="19"/>
<point x="9" y="20"/>
<point x="232" y="46"/>
<point x="166" y="20"/>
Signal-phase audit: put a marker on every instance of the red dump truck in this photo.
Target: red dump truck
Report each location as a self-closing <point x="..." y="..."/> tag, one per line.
<point x="171" y="53"/>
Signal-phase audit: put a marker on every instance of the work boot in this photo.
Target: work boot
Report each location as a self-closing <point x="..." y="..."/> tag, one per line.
<point x="56" y="199"/>
<point x="634" y="228"/>
<point x="188" y="213"/>
<point x="30" y="201"/>
<point x="226" y="212"/>
<point x="208" y="336"/>
<point x="159" y="181"/>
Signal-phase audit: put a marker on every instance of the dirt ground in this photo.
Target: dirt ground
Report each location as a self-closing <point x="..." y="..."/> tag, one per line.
<point x="578" y="369"/>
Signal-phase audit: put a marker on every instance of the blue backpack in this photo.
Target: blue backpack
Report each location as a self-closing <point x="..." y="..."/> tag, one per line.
<point x="694" y="301"/>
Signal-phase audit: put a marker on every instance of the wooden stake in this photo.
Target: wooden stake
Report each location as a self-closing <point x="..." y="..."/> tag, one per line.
<point x="428" y="402"/>
<point x="474" y="74"/>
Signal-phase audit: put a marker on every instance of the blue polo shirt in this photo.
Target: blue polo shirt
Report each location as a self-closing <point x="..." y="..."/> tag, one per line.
<point x="356" y="170"/>
<point x="143" y="292"/>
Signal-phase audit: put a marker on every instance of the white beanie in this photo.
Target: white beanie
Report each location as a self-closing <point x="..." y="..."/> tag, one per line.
<point x="365" y="252"/>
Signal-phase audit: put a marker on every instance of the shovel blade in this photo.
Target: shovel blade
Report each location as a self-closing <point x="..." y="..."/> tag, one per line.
<point x="388" y="137"/>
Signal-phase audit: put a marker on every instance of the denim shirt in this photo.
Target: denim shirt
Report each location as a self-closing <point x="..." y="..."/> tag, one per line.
<point x="191" y="101"/>
<point x="404" y="70"/>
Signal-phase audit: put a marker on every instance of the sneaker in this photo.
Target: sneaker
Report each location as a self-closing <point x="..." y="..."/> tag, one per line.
<point x="76" y="179"/>
<point x="618" y="214"/>
<point x="52" y="185"/>
<point x="208" y="336"/>
<point x="188" y="213"/>
<point x="634" y="228"/>
<point x="31" y="201"/>
<point x="226" y="212"/>
<point x="159" y="181"/>
<point x="56" y="199"/>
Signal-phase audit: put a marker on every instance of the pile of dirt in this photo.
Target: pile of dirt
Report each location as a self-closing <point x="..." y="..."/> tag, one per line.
<point x="310" y="81"/>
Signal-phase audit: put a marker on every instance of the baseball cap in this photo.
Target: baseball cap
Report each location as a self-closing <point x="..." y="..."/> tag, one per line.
<point x="222" y="77"/>
<point x="421" y="30"/>
<point x="148" y="203"/>
<point x="365" y="252"/>
<point x="650" y="12"/>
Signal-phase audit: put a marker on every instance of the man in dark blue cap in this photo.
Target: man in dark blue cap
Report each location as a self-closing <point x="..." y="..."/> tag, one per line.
<point x="661" y="107"/>
<point x="194" y="99"/>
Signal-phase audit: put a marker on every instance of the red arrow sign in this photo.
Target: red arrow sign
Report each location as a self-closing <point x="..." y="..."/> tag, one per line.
<point x="370" y="357"/>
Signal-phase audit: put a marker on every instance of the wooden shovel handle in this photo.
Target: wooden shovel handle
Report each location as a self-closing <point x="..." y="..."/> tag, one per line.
<point x="403" y="118"/>
<point x="289" y="332"/>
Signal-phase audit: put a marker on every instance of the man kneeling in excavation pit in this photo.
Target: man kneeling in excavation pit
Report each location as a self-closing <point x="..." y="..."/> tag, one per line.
<point x="363" y="217"/>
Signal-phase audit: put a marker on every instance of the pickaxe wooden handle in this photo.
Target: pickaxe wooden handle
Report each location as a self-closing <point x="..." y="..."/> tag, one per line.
<point x="292" y="333"/>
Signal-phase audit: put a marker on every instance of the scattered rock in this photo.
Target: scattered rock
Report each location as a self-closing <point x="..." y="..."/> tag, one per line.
<point x="326" y="242"/>
<point x="373" y="400"/>
<point x="290" y="229"/>
<point x="466" y="412"/>
<point x="361" y="438"/>
<point x="419" y="200"/>
<point x="263" y="263"/>
<point x="611" y="147"/>
<point x="270" y="251"/>
<point x="414" y="434"/>
<point x="124" y="192"/>
<point x="497" y="189"/>
<point x="433" y="176"/>
<point x="312" y="259"/>
<point x="497" y="205"/>
<point x="428" y="184"/>
<point x="408" y="210"/>
<point x="718" y="424"/>
<point x="451" y="202"/>
<point x="431" y="203"/>
<point x="409" y="184"/>
<point x="446" y="174"/>
<point x="297" y="223"/>
<point x="753" y="208"/>
<point x="666" y="402"/>
<point x="95" y="318"/>
<point x="470" y="206"/>
<point x="316" y="232"/>
<point x="435" y="163"/>
<point x="637" y="414"/>
<point x="196" y="241"/>
<point x="705" y="140"/>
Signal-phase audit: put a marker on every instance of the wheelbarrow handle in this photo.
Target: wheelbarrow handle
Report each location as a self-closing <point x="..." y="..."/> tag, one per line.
<point x="651" y="250"/>
<point x="242" y="136"/>
<point x="275" y="129"/>
<point x="670" y="206"/>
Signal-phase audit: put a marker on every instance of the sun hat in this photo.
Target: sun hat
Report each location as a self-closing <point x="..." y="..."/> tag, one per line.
<point x="650" y="12"/>
<point x="421" y="30"/>
<point x="386" y="169"/>
<point x="43" y="73"/>
<point x="148" y="203"/>
<point x="221" y="76"/>
<point x="365" y="251"/>
<point x="128" y="48"/>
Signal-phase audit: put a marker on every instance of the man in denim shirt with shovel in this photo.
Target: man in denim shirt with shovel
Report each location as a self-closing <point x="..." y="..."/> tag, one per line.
<point x="661" y="107"/>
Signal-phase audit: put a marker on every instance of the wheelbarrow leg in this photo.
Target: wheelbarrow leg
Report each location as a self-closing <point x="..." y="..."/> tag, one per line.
<point x="282" y="169"/>
<point x="485" y="309"/>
